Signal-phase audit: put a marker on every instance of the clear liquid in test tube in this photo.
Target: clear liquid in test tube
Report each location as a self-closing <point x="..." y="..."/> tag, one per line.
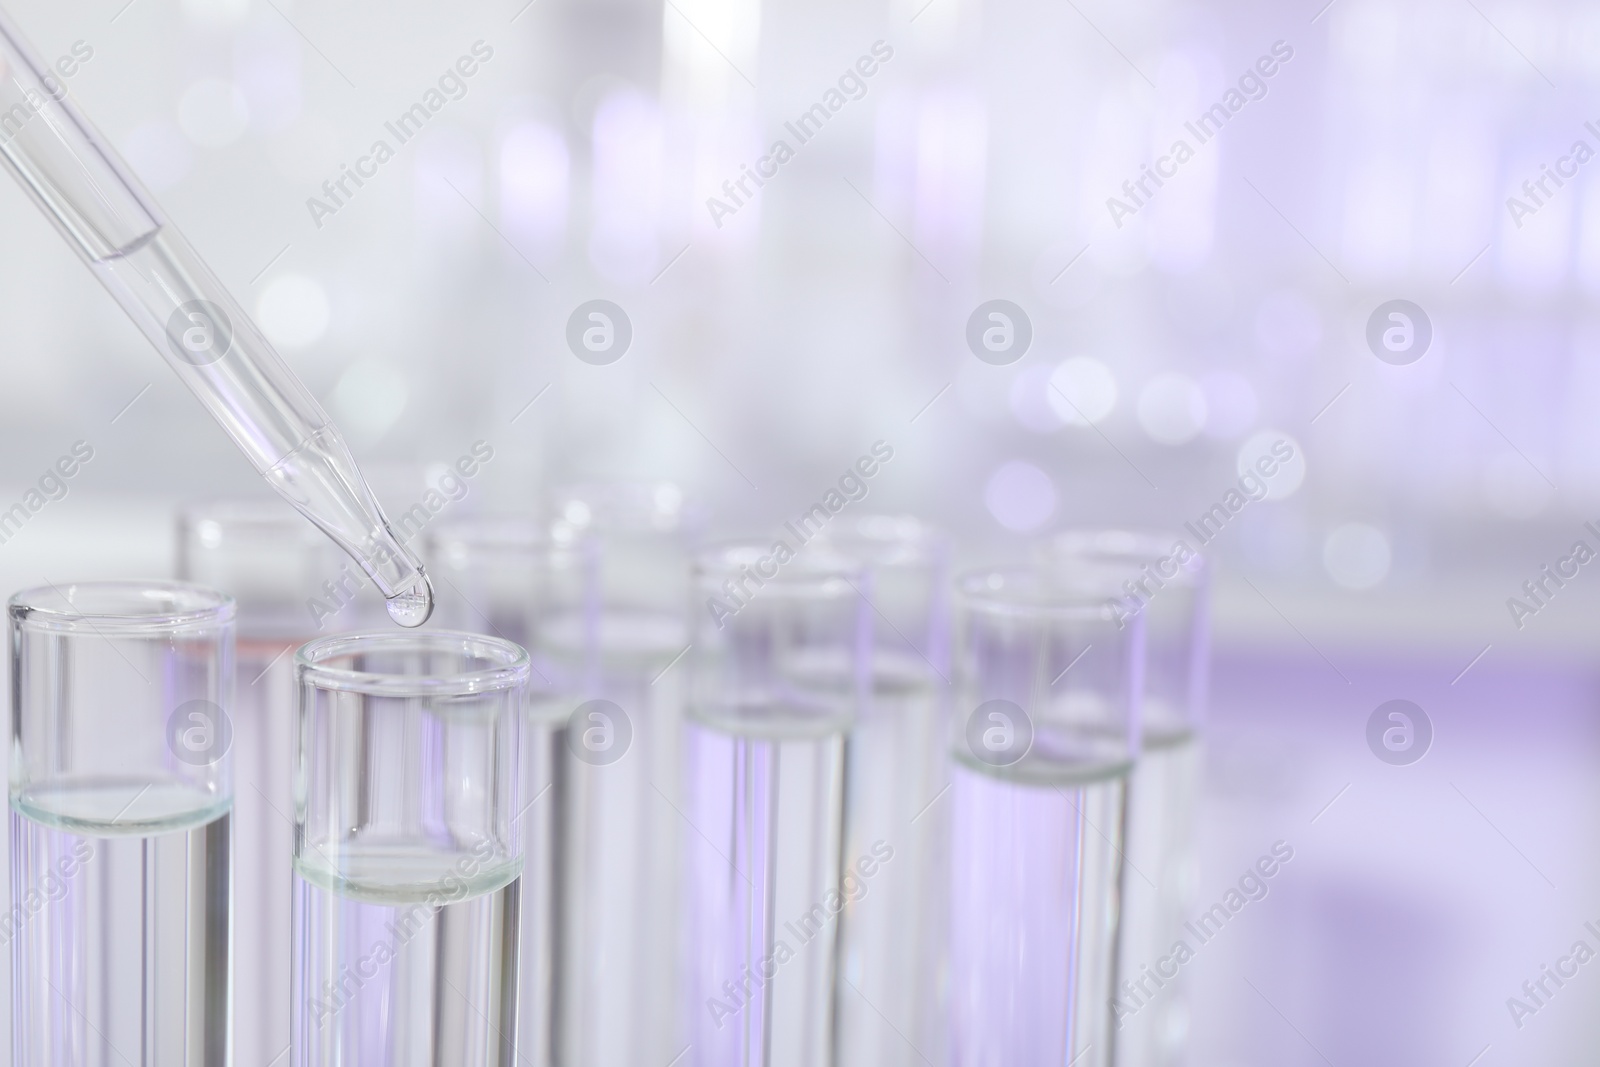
<point x="121" y="827"/>
<point x="407" y="858"/>
<point x="271" y="562"/>
<point x="776" y="676"/>
<point x="611" y="635"/>
<point x="498" y="574"/>
<point x="893" y="970"/>
<point x="96" y="204"/>
<point x="1169" y="588"/>
<point x="1044" y="734"/>
<point x="598" y="594"/>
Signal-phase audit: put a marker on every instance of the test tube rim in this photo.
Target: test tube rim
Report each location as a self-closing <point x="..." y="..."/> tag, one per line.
<point x="809" y="572"/>
<point x="993" y="591"/>
<point x="510" y="673"/>
<point x="1114" y="546"/>
<point x="612" y="507"/>
<point x="251" y="514"/>
<point x="922" y="545"/>
<point x="508" y="534"/>
<point x="189" y="606"/>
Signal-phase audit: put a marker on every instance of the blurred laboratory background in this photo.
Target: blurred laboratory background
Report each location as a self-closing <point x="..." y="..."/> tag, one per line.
<point x="1369" y="269"/>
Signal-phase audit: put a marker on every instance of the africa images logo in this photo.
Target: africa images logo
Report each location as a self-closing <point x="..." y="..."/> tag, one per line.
<point x="1399" y="732"/>
<point x="999" y="332"/>
<point x="1399" y="332"/>
<point x="199" y="733"/>
<point x="199" y="332"/>
<point x="599" y="332"/>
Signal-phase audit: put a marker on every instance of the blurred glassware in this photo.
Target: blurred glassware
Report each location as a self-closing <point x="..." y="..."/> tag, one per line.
<point x="647" y="530"/>
<point x="1169" y="583"/>
<point x="1169" y="587"/>
<point x="271" y="561"/>
<point x="598" y="596"/>
<point x="1045" y="732"/>
<point x="611" y="632"/>
<point x="494" y="574"/>
<point x="892" y="946"/>
<point x="776" y="672"/>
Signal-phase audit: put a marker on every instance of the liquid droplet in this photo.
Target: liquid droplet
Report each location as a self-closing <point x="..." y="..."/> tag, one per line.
<point x="412" y="605"/>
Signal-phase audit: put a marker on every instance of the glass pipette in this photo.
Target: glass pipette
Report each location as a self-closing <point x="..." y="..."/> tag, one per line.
<point x="99" y="207"/>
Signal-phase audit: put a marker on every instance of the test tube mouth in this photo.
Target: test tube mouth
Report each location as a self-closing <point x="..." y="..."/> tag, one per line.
<point x="1061" y="593"/>
<point x="434" y="663"/>
<point x="810" y="570"/>
<point x="621" y="507"/>
<point x="120" y="607"/>
<point x="1122" y="551"/>
<point x="889" y="541"/>
<point x="491" y="534"/>
<point x="214" y="522"/>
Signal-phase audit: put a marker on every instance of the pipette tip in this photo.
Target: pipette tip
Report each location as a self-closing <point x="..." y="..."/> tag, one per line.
<point x="412" y="605"/>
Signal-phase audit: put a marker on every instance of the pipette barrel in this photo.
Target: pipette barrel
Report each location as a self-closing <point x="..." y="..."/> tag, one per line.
<point x="74" y="176"/>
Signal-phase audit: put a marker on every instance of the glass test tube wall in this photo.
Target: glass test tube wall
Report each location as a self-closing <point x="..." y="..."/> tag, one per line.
<point x="272" y="562"/>
<point x="777" y="673"/>
<point x="611" y="635"/>
<point x="120" y="797"/>
<point x="407" y="857"/>
<point x="1045" y="733"/>
<point x="494" y="574"/>
<point x="598" y="597"/>
<point x="1168" y="585"/>
<point x="892" y="965"/>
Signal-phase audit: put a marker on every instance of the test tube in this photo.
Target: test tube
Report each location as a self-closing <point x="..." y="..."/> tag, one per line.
<point x="120" y="827"/>
<point x="74" y="176"/>
<point x="272" y="563"/>
<point x="1168" y="586"/>
<point x="892" y="967"/>
<point x="613" y="633"/>
<point x="1045" y="732"/>
<point x="407" y="853"/>
<point x="777" y="672"/>
<point x="494" y="575"/>
<point x="640" y="533"/>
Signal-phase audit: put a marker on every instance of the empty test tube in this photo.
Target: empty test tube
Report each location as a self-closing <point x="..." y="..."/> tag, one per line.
<point x="72" y="174"/>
